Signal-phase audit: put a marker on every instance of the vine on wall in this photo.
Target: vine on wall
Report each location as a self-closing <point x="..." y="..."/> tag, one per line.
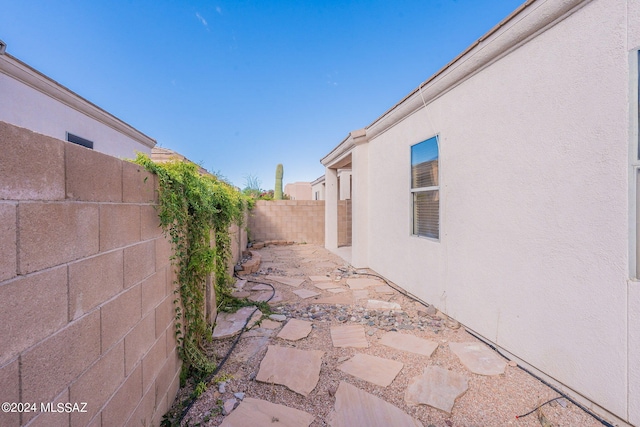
<point x="191" y="206"/>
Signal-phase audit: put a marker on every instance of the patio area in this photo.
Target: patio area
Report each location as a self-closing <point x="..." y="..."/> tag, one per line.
<point x="344" y="348"/>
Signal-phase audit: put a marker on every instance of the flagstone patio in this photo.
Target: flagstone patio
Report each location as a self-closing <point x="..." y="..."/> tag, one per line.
<point x="345" y="349"/>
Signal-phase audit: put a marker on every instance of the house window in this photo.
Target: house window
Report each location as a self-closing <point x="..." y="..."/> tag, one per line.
<point x="425" y="189"/>
<point x="79" y="140"/>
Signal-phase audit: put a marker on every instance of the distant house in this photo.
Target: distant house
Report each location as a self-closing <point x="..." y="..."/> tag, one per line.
<point x="161" y="155"/>
<point x="298" y="191"/>
<point x="344" y="185"/>
<point x="31" y="100"/>
<point x="317" y="188"/>
<point x="505" y="191"/>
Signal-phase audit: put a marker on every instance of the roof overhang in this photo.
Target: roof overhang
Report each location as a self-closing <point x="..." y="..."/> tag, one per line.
<point x="20" y="71"/>
<point x="340" y="156"/>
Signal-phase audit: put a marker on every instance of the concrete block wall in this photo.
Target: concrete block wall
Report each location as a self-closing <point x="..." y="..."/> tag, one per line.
<point x="300" y="221"/>
<point x="344" y="222"/>
<point x="85" y="287"/>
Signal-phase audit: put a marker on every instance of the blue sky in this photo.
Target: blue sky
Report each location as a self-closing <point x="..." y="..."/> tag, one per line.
<point x="240" y="86"/>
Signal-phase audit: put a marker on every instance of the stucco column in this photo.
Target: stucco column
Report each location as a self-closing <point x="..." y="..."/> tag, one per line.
<point x="331" y="209"/>
<point x="360" y="200"/>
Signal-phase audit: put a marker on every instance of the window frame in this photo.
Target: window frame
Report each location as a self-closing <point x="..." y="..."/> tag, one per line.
<point x="78" y="140"/>
<point x="433" y="188"/>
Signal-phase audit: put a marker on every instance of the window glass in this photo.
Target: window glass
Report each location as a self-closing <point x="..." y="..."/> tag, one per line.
<point x="425" y="189"/>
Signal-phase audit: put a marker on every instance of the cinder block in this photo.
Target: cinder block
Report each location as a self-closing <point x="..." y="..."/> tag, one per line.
<point x="48" y="419"/>
<point x="172" y="342"/>
<point x="138" y="185"/>
<point x="120" y="315"/>
<point x="174" y="386"/>
<point x="125" y="400"/>
<point x="163" y="252"/>
<point x="54" y="233"/>
<point x="139" y="341"/>
<point x="93" y="281"/>
<point x="97" y="384"/>
<point x="92" y="176"/>
<point x="49" y="367"/>
<point x="149" y="222"/>
<point x="154" y="289"/>
<point x="144" y="412"/>
<point x="33" y="307"/>
<point x="31" y="165"/>
<point x="165" y="313"/>
<point x="10" y="391"/>
<point x="153" y="362"/>
<point x="119" y="226"/>
<point x="139" y="262"/>
<point x="8" y="241"/>
<point x="165" y="378"/>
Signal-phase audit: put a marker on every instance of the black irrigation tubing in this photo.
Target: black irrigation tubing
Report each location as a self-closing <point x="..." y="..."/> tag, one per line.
<point x="494" y="348"/>
<point x="539" y="406"/>
<point x="185" y="411"/>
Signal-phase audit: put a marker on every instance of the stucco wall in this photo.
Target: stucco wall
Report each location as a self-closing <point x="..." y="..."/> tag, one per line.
<point x="300" y="221"/>
<point x="533" y="252"/>
<point x="33" y="101"/>
<point x="85" y="286"/>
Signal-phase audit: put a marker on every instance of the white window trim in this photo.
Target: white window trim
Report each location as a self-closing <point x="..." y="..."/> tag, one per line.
<point x="424" y="189"/>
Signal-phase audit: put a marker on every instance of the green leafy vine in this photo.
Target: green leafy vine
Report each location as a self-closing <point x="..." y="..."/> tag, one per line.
<point x="196" y="212"/>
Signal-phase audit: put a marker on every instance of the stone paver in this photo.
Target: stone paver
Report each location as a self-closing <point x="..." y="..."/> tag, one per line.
<point x="240" y="294"/>
<point x="295" y="330"/>
<point x="326" y="285"/>
<point x="374" y="304"/>
<point x="478" y="358"/>
<point x="376" y="370"/>
<point x="319" y="278"/>
<point x="349" y="336"/>
<point x="262" y="287"/>
<point x="249" y="347"/>
<point x="361" y="294"/>
<point x="264" y="296"/>
<point x="344" y="298"/>
<point x="363" y="283"/>
<point x="270" y="324"/>
<point x="256" y="412"/>
<point x="357" y="408"/>
<point x="289" y="281"/>
<point x="337" y="290"/>
<point x="305" y="293"/>
<point x="436" y="387"/>
<point x="298" y="370"/>
<point x="410" y="343"/>
<point x="230" y="324"/>
<point x="384" y="289"/>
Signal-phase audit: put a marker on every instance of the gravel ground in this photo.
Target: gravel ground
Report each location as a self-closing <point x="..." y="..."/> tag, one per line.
<point x="489" y="401"/>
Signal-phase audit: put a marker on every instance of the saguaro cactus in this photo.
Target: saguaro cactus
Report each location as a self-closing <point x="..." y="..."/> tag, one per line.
<point x="277" y="192"/>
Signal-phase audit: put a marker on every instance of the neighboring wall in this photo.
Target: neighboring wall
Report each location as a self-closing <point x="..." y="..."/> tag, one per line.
<point x="344" y="222"/>
<point x="300" y="221"/>
<point x="85" y="286"/>
<point x="534" y="195"/>
<point x="34" y="101"/>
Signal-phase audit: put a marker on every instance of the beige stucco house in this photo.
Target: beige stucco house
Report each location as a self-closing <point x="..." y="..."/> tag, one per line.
<point x="504" y="190"/>
<point x="34" y="101"/>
